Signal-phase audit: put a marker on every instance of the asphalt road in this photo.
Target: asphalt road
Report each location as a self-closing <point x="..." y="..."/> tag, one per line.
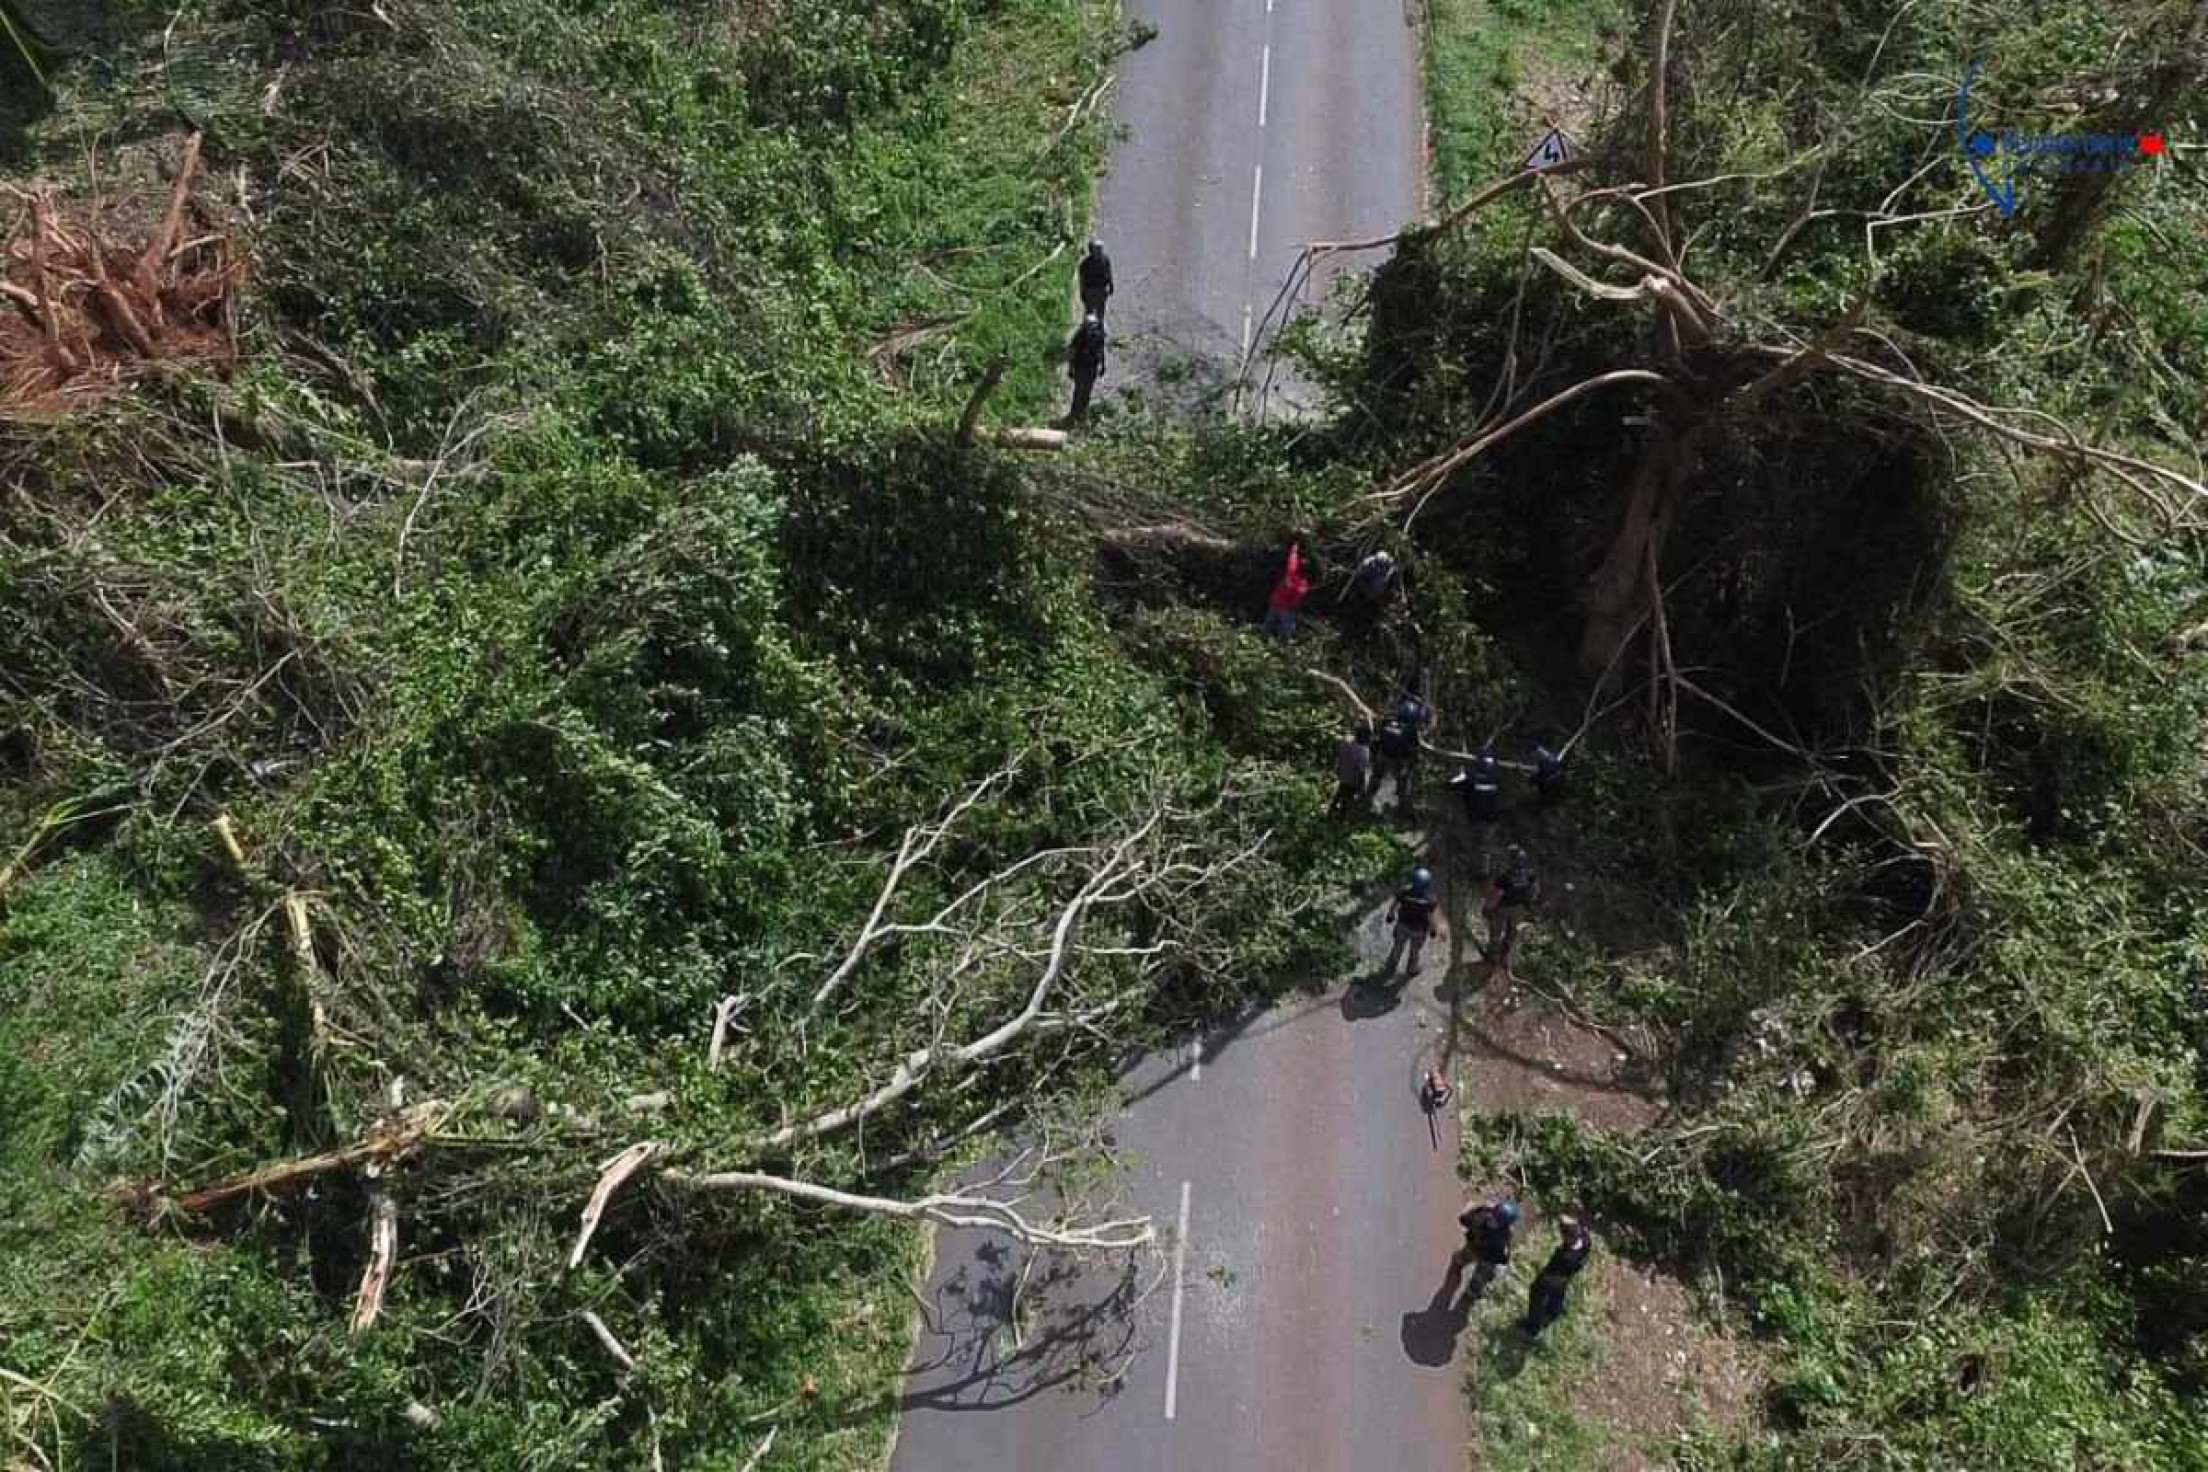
<point x="1306" y="1201"/>
<point x="1255" y="126"/>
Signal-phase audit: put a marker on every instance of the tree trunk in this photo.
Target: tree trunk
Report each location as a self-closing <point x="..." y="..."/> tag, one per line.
<point x="1617" y="594"/>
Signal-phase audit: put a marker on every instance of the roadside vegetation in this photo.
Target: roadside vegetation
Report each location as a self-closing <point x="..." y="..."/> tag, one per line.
<point x="1892" y="863"/>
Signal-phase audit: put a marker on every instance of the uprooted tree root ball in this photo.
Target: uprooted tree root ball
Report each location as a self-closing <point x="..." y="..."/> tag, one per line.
<point x="85" y="314"/>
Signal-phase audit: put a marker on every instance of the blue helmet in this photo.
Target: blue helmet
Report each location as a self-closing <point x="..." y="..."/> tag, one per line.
<point x="1507" y="1213"/>
<point x="1421" y="880"/>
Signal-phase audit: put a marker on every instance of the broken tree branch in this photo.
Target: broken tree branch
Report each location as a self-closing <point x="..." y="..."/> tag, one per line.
<point x="724" y="1013"/>
<point x="158" y="249"/>
<point x="1363" y="710"/>
<point x="2070" y="447"/>
<point x="611" y="1176"/>
<point x="1659" y="82"/>
<point x="613" y="1346"/>
<point x="944" y="1211"/>
<point x="41" y="223"/>
<point x="759" y="1452"/>
<point x="1430" y="474"/>
<point x="980" y="396"/>
<point x="383" y="1251"/>
<point x="227" y="831"/>
<point x="1020" y="438"/>
<point x="919" y="842"/>
<point x="389" y="1142"/>
<point x="917" y="1066"/>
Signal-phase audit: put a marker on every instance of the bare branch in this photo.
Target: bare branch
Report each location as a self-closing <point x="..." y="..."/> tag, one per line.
<point x="614" y="1173"/>
<point x="2069" y="447"/>
<point x="1563" y="213"/>
<point x="759" y="1452"/>
<point x="724" y="1013"/>
<point x="921" y="1062"/>
<point x="1363" y="710"/>
<point x="383" y="1250"/>
<point x="613" y="1346"/>
<point x="1779" y="741"/>
<point x="1430" y="474"/>
<point x="919" y="841"/>
<point x="980" y="397"/>
<point x="943" y="1211"/>
<point x="1658" y="126"/>
<point x="172" y="219"/>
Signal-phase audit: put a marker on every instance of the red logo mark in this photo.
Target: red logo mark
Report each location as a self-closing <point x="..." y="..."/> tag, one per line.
<point x="2150" y="143"/>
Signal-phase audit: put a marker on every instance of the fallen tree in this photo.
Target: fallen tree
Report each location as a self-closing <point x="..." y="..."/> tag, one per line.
<point x="1140" y="865"/>
<point x="1711" y="364"/>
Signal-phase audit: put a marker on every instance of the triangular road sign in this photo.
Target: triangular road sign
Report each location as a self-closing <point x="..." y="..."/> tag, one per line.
<point x="1549" y="152"/>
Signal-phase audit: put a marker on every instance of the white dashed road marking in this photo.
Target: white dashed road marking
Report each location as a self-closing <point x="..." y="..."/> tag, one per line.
<point x="1173" y="1339"/>
<point x="1257" y="193"/>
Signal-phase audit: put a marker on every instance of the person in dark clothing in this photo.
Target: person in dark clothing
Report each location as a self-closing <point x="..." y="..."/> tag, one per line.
<point x="1481" y="787"/>
<point x="1514" y="893"/>
<point x="1548" y="775"/>
<point x="1353" y="771"/>
<point x="1416" y="916"/>
<point x="1096" y="279"/>
<point x="1546" y="1299"/>
<point x="1399" y="740"/>
<point x="1396" y="756"/>
<point x="1377" y="578"/>
<point x="1486" y="1241"/>
<point x="1085" y="362"/>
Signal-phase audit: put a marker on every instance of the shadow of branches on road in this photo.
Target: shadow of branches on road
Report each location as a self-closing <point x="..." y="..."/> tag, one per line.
<point x="1074" y="1344"/>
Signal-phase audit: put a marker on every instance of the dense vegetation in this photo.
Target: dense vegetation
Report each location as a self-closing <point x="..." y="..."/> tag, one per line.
<point x="575" y="593"/>
<point x="1919" y="920"/>
<point x="570" y="597"/>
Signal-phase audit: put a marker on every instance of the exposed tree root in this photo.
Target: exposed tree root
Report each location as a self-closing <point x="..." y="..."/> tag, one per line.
<point x="90" y="315"/>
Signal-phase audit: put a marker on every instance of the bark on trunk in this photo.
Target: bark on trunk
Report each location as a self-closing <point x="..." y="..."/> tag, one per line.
<point x="1616" y="594"/>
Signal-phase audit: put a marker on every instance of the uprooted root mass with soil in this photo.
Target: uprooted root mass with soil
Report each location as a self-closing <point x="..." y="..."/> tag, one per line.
<point x="81" y="314"/>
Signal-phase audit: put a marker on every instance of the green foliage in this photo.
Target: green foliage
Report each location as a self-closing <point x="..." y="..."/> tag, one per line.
<point x="1909" y="1001"/>
<point x="563" y="599"/>
<point x="1478" y="55"/>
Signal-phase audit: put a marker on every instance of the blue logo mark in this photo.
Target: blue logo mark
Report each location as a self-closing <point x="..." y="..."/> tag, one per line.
<point x="1999" y="161"/>
<point x="1979" y="148"/>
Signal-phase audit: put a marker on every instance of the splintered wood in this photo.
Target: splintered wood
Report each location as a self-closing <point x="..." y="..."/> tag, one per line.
<point x="82" y="315"/>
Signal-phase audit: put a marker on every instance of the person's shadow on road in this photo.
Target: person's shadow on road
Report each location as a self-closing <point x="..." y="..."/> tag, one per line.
<point x="1370" y="996"/>
<point x="1430" y="1334"/>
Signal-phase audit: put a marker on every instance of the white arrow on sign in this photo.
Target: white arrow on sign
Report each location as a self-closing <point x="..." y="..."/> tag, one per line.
<point x="1549" y="152"/>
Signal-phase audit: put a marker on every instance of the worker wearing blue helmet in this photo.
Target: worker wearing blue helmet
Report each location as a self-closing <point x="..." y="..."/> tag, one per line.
<point x="1486" y="1240"/>
<point x="1416" y="916"/>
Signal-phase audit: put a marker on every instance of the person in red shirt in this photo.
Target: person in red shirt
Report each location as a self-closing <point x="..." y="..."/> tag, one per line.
<point x="1288" y="595"/>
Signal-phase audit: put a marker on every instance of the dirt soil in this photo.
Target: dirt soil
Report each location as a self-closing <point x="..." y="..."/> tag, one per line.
<point x="1663" y="1369"/>
<point x="1520" y="1057"/>
<point x="1561" y="94"/>
<point x="1666" y="1370"/>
